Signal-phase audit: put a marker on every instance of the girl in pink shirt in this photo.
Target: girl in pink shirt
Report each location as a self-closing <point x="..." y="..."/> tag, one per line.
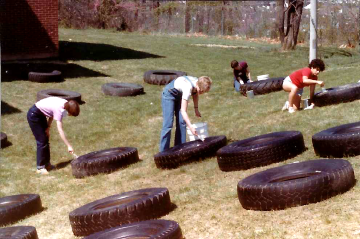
<point x="299" y="79"/>
<point x="51" y="108"/>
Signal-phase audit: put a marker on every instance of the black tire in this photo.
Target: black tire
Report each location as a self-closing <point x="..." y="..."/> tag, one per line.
<point x="189" y="152"/>
<point x="260" y="150"/>
<point x="65" y="94"/>
<point x="152" y="229"/>
<point x="340" y="141"/>
<point x="54" y="76"/>
<point x="4" y="141"/>
<point x="16" y="207"/>
<point x="336" y="95"/>
<point x="263" y="87"/>
<point x="104" y="161"/>
<point x="295" y="184"/>
<point x="162" y="77"/>
<point x="116" y="210"/>
<point x="122" y="89"/>
<point x="20" y="232"/>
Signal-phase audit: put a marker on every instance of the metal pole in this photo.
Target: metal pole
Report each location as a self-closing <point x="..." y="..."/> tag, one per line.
<point x="313" y="28"/>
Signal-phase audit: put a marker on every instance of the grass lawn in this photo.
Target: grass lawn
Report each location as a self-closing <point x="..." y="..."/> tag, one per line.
<point x="206" y="198"/>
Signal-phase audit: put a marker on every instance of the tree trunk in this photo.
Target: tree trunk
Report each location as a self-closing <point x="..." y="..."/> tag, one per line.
<point x="187" y="18"/>
<point x="290" y="20"/>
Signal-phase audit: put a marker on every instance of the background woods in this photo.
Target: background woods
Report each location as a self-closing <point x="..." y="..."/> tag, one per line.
<point x="338" y="21"/>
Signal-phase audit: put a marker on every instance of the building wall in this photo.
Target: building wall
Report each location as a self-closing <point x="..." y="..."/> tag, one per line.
<point x="29" y="29"/>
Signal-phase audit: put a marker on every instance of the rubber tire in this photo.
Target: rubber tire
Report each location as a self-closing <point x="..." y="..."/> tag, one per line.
<point x="295" y="184"/>
<point x="260" y="150"/>
<point x="104" y="161"/>
<point x="20" y="206"/>
<point x="340" y="141"/>
<point x="4" y="141"/>
<point x="54" y="76"/>
<point x="162" y="77"/>
<point x="189" y="152"/>
<point x="122" y="89"/>
<point x="19" y="232"/>
<point x="336" y="95"/>
<point x="64" y="94"/>
<point x="152" y="229"/>
<point x="263" y="87"/>
<point x="116" y="210"/>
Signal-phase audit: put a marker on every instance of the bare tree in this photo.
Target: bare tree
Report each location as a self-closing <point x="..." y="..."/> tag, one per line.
<point x="289" y="22"/>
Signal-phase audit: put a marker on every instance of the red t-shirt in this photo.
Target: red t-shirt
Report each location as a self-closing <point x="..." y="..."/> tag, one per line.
<point x="297" y="77"/>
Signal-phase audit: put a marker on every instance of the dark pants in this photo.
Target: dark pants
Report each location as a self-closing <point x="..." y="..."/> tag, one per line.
<point x="38" y="124"/>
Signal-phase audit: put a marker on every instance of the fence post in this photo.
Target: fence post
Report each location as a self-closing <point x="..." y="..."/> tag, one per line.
<point x="313" y="29"/>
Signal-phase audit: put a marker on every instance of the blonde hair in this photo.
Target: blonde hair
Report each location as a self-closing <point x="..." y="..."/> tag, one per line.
<point x="204" y="83"/>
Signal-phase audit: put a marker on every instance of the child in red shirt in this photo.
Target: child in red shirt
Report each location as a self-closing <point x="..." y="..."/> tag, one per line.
<point x="299" y="79"/>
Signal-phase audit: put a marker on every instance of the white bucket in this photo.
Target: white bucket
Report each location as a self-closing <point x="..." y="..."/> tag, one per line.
<point x="305" y="103"/>
<point x="201" y="129"/>
<point x="263" y="77"/>
<point x="250" y="94"/>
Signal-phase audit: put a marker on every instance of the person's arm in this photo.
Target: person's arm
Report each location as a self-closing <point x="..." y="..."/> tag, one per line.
<point x="306" y="80"/>
<point x="312" y="91"/>
<point x="50" y="120"/>
<point x="184" y="105"/>
<point x="248" y="74"/>
<point x="62" y="135"/>
<point x="196" y="104"/>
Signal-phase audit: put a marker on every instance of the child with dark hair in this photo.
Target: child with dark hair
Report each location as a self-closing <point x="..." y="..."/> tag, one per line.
<point x="51" y="108"/>
<point x="241" y="73"/>
<point x="299" y="79"/>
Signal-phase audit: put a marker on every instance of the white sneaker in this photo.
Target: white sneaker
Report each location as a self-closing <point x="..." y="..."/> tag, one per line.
<point x="286" y="106"/>
<point x="291" y="110"/>
<point x="310" y="107"/>
<point x="42" y="171"/>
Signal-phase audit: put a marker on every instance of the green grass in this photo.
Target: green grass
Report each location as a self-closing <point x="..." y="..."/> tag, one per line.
<point x="206" y="198"/>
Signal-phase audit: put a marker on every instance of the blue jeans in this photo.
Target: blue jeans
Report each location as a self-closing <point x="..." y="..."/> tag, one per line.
<point x="171" y="104"/>
<point x="38" y="124"/>
<point x="237" y="85"/>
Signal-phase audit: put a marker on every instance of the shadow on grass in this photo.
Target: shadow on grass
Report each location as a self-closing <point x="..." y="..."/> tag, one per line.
<point x="12" y="71"/>
<point x="7" y="109"/>
<point x="98" y="52"/>
<point x="62" y="165"/>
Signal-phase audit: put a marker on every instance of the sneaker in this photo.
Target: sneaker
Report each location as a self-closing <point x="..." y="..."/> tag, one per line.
<point x="286" y="106"/>
<point x="42" y="171"/>
<point x="291" y="110"/>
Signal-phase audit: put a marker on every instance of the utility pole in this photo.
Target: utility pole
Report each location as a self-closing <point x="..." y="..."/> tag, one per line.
<point x="313" y="29"/>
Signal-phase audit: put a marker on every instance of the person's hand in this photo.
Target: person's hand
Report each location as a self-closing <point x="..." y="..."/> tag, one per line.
<point x="70" y="149"/>
<point x="321" y="83"/>
<point x="197" y="112"/>
<point x="193" y="131"/>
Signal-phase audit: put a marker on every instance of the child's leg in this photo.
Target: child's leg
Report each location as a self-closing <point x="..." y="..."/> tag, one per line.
<point x="288" y="86"/>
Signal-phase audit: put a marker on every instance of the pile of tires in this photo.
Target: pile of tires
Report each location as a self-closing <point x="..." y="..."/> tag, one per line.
<point x="189" y="152"/>
<point x="263" y="87"/>
<point x="260" y="150"/>
<point x="340" y="141"/>
<point x="122" y="89"/>
<point x="295" y="184"/>
<point x="104" y="161"/>
<point x="119" y="209"/>
<point x="337" y="95"/>
<point x="162" y="77"/>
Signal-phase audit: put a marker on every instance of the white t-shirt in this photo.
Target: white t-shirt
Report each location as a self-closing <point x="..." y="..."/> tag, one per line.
<point x="52" y="107"/>
<point x="184" y="86"/>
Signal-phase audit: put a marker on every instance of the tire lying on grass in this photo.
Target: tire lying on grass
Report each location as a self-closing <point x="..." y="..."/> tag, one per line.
<point x="295" y="184"/>
<point x="104" y="161"/>
<point x="122" y="89"/>
<point x="336" y="95"/>
<point x="4" y="141"/>
<point x="260" y="150"/>
<point x="263" y="87"/>
<point x="20" y="232"/>
<point x="16" y="207"/>
<point x="54" y="76"/>
<point x="116" y="210"/>
<point x="189" y="152"/>
<point x="162" y="77"/>
<point x="152" y="229"/>
<point x="64" y="94"/>
<point x="339" y="141"/>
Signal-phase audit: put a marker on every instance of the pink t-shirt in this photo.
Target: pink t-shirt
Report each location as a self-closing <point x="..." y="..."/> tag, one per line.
<point x="297" y="77"/>
<point x="52" y="107"/>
